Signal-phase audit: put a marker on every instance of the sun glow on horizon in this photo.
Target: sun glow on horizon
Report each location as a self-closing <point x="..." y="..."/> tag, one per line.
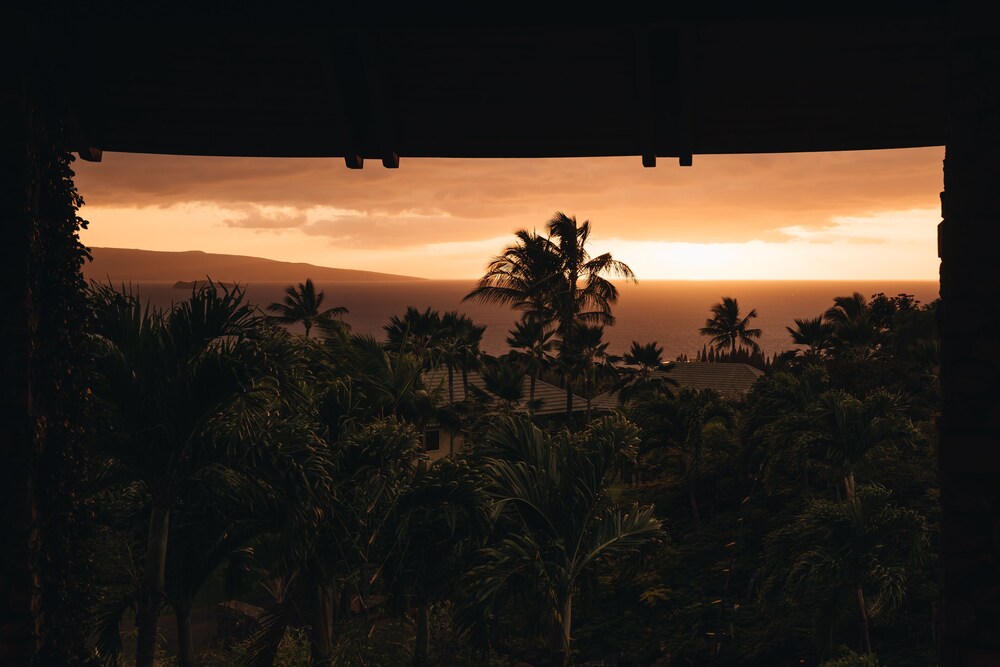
<point x="897" y="245"/>
<point x="889" y="245"/>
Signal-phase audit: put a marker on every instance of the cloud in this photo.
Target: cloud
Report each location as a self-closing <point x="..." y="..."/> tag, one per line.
<point x="256" y="216"/>
<point x="380" y="229"/>
<point x="722" y="198"/>
<point x="883" y="227"/>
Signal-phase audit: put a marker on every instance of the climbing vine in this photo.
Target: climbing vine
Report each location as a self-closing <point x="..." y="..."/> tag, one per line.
<point x="60" y="373"/>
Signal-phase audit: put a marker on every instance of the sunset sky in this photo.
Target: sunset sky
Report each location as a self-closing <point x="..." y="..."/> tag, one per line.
<point x="857" y="215"/>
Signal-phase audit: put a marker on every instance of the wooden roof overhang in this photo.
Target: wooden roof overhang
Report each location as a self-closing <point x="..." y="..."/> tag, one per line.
<point x="422" y="85"/>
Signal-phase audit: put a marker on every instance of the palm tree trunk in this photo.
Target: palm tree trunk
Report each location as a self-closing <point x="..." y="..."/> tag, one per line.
<point x="531" y="391"/>
<point x="185" y="644"/>
<point x="422" y="646"/>
<point x="363" y="587"/>
<point x="849" y="486"/>
<point x="151" y="596"/>
<point x="569" y="399"/>
<point x="308" y="327"/>
<point x="864" y="620"/>
<point x="345" y="601"/>
<point x="693" y="498"/>
<point x="586" y="391"/>
<point x="451" y="402"/>
<point x="561" y="628"/>
<point x="321" y="635"/>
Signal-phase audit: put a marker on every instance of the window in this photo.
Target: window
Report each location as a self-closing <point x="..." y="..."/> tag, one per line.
<point x="432" y="440"/>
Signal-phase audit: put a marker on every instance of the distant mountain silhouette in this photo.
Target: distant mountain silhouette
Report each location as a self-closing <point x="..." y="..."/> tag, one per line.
<point x="126" y="264"/>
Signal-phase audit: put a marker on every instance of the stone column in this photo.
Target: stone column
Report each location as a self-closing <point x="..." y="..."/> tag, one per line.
<point x="969" y="317"/>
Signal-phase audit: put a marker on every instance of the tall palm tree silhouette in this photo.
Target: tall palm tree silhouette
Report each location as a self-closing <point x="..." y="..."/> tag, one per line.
<point x="728" y="327"/>
<point x="813" y="332"/>
<point x="531" y="347"/>
<point x="302" y="305"/>
<point x="554" y="279"/>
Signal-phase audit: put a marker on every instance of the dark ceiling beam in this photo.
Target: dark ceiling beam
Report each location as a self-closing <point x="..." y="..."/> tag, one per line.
<point x="665" y="85"/>
<point x="359" y="76"/>
<point x="644" y="98"/>
<point x="335" y="72"/>
<point x="380" y="99"/>
<point x="686" y="85"/>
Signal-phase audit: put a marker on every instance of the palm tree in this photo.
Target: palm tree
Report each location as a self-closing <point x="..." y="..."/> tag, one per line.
<point x="841" y="429"/>
<point x="852" y="325"/>
<point x="589" y="351"/>
<point x="531" y="347"/>
<point x="592" y="302"/>
<point x="384" y="383"/>
<point x="442" y="517"/>
<point x="771" y="423"/>
<point x="647" y="358"/>
<point x="503" y="381"/>
<point x="555" y="521"/>
<point x="554" y="279"/>
<point x="222" y="511"/>
<point x="458" y="346"/>
<point x="728" y="327"/>
<point x="639" y="376"/>
<point x="847" y="309"/>
<point x="303" y="305"/>
<point x="372" y="464"/>
<point x="814" y="333"/>
<point x="835" y="554"/>
<point x="685" y="428"/>
<point x="522" y="277"/>
<point x="191" y="391"/>
<point x="374" y="467"/>
<point x="415" y="332"/>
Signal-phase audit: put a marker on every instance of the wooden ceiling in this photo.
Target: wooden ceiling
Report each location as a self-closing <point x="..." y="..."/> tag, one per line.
<point x="362" y="86"/>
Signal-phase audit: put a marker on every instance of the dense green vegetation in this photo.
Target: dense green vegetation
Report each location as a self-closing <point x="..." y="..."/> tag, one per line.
<point x="233" y="460"/>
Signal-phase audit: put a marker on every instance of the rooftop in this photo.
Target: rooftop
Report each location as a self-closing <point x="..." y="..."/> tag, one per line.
<point x="731" y="380"/>
<point x="552" y="398"/>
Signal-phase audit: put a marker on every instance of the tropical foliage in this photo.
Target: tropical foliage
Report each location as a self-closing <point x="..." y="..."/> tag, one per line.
<point x="728" y="327"/>
<point x="554" y="279"/>
<point x="304" y="305"/>
<point x="233" y="461"/>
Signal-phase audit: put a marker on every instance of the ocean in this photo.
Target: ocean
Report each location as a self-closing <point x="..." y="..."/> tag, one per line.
<point x="669" y="312"/>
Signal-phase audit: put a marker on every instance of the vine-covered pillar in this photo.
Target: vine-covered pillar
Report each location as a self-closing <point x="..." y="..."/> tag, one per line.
<point x="969" y="449"/>
<point x="20" y="431"/>
<point x="46" y="415"/>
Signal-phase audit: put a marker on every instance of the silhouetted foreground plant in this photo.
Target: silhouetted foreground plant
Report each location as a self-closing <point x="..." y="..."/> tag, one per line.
<point x="304" y="305"/>
<point x="244" y="462"/>
<point x="204" y="412"/>
<point x="553" y="279"/>
<point x="554" y="523"/>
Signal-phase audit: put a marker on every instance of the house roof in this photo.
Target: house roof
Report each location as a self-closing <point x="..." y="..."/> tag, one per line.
<point x="552" y="398"/>
<point x="731" y="380"/>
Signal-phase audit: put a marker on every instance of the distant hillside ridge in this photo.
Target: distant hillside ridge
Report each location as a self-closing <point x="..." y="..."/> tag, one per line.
<point x="127" y="264"/>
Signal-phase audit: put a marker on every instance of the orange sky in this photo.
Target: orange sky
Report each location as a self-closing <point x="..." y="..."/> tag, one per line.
<point x="856" y="215"/>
